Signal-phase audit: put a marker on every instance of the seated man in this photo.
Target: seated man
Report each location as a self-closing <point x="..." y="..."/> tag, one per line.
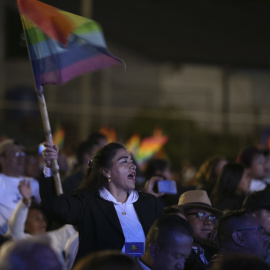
<point x="168" y="244"/>
<point x="258" y="205"/>
<point x="202" y="217"/>
<point x="240" y="232"/>
<point x="12" y="161"/>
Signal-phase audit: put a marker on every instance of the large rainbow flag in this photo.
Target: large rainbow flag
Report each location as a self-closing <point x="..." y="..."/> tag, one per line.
<point x="62" y="45"/>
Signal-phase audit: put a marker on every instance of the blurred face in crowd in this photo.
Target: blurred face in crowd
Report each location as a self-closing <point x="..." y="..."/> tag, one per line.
<point x="257" y="169"/>
<point x="267" y="166"/>
<point x="173" y="254"/>
<point x="13" y="161"/>
<point x="102" y="142"/>
<point x="253" y="237"/>
<point x="35" y="223"/>
<point x="202" y="222"/>
<point x="166" y="173"/>
<point x="264" y="218"/>
<point x="244" y="184"/>
<point x="32" y="168"/>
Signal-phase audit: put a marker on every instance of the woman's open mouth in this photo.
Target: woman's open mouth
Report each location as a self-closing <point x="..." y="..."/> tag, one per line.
<point x="132" y="176"/>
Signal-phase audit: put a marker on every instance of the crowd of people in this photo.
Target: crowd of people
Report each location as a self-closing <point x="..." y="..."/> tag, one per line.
<point x="111" y="214"/>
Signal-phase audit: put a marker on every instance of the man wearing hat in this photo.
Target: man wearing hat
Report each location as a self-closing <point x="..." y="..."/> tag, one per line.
<point x="202" y="217"/>
<point x="12" y="162"/>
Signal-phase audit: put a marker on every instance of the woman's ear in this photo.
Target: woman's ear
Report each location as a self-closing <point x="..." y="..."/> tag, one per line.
<point x="105" y="172"/>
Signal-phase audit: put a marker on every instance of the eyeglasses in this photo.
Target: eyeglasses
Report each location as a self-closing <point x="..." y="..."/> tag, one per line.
<point x="203" y="217"/>
<point x="13" y="154"/>
<point x="17" y="154"/>
<point x="259" y="229"/>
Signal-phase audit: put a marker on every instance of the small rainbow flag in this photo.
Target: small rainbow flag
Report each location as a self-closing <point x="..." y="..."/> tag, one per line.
<point x="149" y="147"/>
<point x="62" y="45"/>
<point x="59" y="137"/>
<point x="133" y="143"/>
<point x="110" y="133"/>
<point x="145" y="149"/>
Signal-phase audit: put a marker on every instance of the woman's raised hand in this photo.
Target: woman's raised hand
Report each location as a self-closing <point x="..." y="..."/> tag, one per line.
<point x="49" y="153"/>
<point x="26" y="191"/>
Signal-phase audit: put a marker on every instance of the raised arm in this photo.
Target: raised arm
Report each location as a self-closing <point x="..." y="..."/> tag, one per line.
<point x="67" y="209"/>
<point x="17" y="221"/>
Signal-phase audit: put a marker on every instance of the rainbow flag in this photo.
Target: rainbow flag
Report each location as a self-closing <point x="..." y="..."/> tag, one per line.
<point x="62" y="45"/>
<point x="110" y="134"/>
<point x="133" y="144"/>
<point x="145" y="149"/>
<point x="59" y="137"/>
<point x="149" y="147"/>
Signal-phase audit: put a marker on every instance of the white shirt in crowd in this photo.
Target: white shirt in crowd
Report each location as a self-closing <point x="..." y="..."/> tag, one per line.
<point x="257" y="185"/>
<point x="57" y="238"/>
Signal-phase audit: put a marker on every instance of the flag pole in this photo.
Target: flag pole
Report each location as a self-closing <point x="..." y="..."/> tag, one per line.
<point x="48" y="136"/>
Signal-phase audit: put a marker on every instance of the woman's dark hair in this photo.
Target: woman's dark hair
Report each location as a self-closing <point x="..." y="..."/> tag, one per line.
<point x="95" y="180"/>
<point x="153" y="166"/>
<point x="207" y="175"/>
<point x="229" y="179"/>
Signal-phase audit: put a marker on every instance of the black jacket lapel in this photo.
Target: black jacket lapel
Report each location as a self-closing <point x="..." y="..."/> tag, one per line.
<point x="107" y="208"/>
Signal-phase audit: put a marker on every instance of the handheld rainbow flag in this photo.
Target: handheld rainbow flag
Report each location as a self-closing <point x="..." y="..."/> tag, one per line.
<point x="62" y="45"/>
<point x="59" y="137"/>
<point x="133" y="144"/>
<point x="110" y="134"/>
<point x="147" y="148"/>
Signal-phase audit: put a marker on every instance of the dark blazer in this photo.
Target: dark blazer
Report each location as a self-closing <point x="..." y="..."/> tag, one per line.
<point x="97" y="221"/>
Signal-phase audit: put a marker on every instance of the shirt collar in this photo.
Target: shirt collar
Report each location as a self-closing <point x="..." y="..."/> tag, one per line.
<point x="106" y="195"/>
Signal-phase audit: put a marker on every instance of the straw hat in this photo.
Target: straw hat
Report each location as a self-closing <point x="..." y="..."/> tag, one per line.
<point x="197" y="199"/>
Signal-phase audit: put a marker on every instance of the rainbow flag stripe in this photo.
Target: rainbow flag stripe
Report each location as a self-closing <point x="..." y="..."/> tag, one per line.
<point x="62" y="45"/>
<point x="59" y="137"/>
<point x="149" y="147"/>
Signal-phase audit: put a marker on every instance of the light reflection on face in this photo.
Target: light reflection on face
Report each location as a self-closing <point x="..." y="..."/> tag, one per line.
<point x="122" y="172"/>
<point x="201" y="229"/>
